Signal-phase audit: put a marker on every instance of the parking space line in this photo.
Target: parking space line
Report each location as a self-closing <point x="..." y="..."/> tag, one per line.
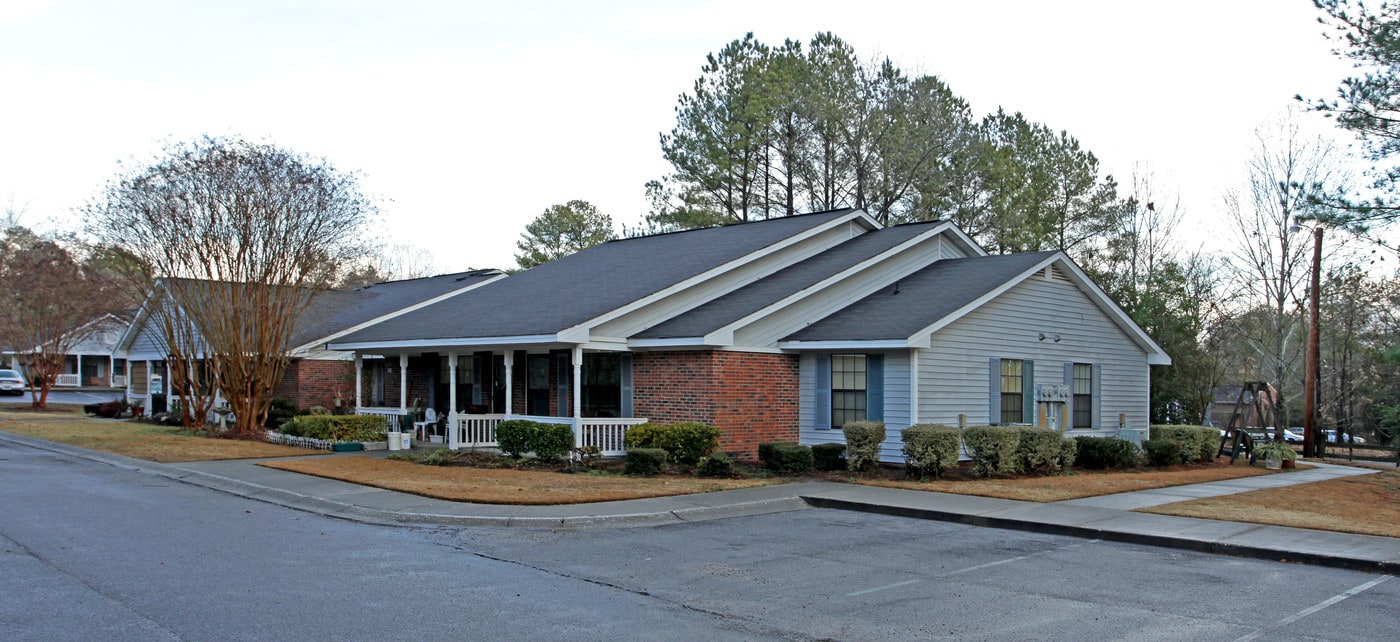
<point x="884" y="588"/>
<point x="1015" y="559"/>
<point x="1314" y="608"/>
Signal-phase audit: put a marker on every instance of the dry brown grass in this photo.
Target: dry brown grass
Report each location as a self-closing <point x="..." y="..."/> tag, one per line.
<point x="1366" y="504"/>
<point x="1080" y="483"/>
<point x="504" y="486"/>
<point x="139" y="440"/>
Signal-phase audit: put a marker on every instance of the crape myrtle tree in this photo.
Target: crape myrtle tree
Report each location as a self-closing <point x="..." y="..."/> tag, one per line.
<point x="232" y="239"/>
<point x="48" y="303"/>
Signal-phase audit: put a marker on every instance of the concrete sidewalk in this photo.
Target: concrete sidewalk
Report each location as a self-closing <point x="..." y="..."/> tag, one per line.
<point x="1108" y="517"/>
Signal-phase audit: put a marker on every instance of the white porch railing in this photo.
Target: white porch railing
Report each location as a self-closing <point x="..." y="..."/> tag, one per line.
<point x="69" y="380"/>
<point x="475" y="431"/>
<point x="393" y="417"/>
<point x="479" y="431"/>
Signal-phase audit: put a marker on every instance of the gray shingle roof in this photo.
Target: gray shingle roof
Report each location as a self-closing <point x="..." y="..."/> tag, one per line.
<point x="333" y="311"/>
<point x="924" y="297"/>
<point x="563" y="293"/>
<point x="773" y="288"/>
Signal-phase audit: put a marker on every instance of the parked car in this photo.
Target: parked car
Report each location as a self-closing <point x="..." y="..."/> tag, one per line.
<point x="1338" y="438"/>
<point x="11" y="382"/>
<point x="1292" y="437"/>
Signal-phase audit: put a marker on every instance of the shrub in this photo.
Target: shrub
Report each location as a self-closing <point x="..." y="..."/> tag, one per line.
<point x="336" y="427"/>
<point x="1164" y="452"/>
<point x="765" y="450"/>
<point x="1043" y="450"/>
<point x="1198" y="443"/>
<point x="317" y="410"/>
<point x="715" y="465"/>
<point x="829" y="457"/>
<point x="930" y="449"/>
<point x="789" y="458"/>
<point x="92" y="408"/>
<point x="644" y="461"/>
<point x="863" y="439"/>
<point x="551" y="441"/>
<point x="280" y="412"/>
<point x="684" y="443"/>
<point x="515" y="436"/>
<point x="1105" y="452"/>
<point x="993" y="449"/>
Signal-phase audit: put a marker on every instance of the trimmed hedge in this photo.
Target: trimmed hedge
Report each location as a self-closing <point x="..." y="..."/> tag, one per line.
<point x="993" y="449"/>
<point x="336" y="427"/>
<point x="715" y="465"/>
<point x="930" y="449"/>
<point x="281" y="410"/>
<point x="1043" y="450"/>
<point x="1098" y="453"/>
<point x="863" y="439"/>
<point x="1163" y="452"/>
<point x="788" y="458"/>
<point x="684" y="442"/>
<point x="829" y="457"/>
<point x="552" y="441"/>
<point x="515" y="436"/>
<point x="765" y="449"/>
<point x="1198" y="443"/>
<point x="644" y="461"/>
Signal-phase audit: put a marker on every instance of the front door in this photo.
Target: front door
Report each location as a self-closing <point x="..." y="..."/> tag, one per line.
<point x="537" y="386"/>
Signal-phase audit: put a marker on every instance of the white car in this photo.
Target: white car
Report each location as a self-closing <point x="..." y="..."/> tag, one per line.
<point x="11" y="382"/>
<point x="1336" y="438"/>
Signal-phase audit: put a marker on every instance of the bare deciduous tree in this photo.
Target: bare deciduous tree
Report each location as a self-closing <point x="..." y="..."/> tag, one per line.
<point x="47" y="305"/>
<point x="240" y="237"/>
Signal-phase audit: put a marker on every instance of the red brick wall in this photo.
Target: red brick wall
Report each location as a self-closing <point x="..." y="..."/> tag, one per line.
<point x="753" y="397"/>
<point x="313" y="382"/>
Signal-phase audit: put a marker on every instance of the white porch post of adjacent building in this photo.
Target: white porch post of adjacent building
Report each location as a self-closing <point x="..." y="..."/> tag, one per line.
<point x="403" y="383"/>
<point x="578" y="396"/>
<point x="452" y="400"/>
<point x="510" y="376"/>
<point x="359" y="383"/>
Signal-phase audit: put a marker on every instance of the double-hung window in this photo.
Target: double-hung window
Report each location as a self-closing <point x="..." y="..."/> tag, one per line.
<point x="1083" y="395"/>
<point x="1013" y="391"/>
<point x="848" y="388"/>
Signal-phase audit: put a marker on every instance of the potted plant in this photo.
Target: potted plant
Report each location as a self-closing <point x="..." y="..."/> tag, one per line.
<point x="1274" y="454"/>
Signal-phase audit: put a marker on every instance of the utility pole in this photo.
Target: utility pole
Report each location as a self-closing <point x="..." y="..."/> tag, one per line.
<point x="1311" y="445"/>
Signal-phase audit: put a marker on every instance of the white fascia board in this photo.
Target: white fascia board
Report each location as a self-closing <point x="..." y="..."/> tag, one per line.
<point x="674" y="342"/>
<point x="131" y="330"/>
<point x="923" y="338"/>
<point x="322" y="341"/>
<point x="966" y="241"/>
<point x="521" y="339"/>
<point x="725" y="336"/>
<point x="850" y="217"/>
<point x="1156" y="356"/>
<point x="881" y="344"/>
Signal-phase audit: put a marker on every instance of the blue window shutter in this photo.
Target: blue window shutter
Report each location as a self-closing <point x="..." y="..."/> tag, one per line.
<point x="875" y="387"/>
<point x="626" y="379"/>
<point x="1028" y="393"/>
<point x="821" y="393"/>
<point x="1069" y="375"/>
<point x="1097" y="399"/>
<point x="994" y="392"/>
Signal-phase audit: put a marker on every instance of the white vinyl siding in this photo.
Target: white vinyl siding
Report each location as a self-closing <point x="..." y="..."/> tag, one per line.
<point x="896" y="404"/>
<point x="953" y="372"/>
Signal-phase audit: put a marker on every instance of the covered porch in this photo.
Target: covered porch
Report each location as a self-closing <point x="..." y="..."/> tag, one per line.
<point x="469" y="392"/>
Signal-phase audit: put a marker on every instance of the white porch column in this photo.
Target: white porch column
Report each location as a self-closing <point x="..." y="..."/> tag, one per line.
<point x="510" y="377"/>
<point x="80" y="369"/>
<point x="578" y="396"/>
<point x="403" y="383"/>
<point x="111" y="370"/>
<point x="452" y="400"/>
<point x="359" y="383"/>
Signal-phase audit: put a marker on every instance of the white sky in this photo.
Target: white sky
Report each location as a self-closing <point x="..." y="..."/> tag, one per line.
<point x="470" y="118"/>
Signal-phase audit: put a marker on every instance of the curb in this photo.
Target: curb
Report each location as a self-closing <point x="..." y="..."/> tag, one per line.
<point x="1127" y="537"/>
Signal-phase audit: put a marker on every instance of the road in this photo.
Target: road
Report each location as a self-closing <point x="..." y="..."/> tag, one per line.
<point x="61" y="396"/>
<point x="90" y="551"/>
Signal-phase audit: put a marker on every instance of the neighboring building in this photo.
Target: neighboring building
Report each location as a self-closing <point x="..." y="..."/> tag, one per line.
<point x="315" y="376"/>
<point x="781" y="329"/>
<point x="93" y="361"/>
